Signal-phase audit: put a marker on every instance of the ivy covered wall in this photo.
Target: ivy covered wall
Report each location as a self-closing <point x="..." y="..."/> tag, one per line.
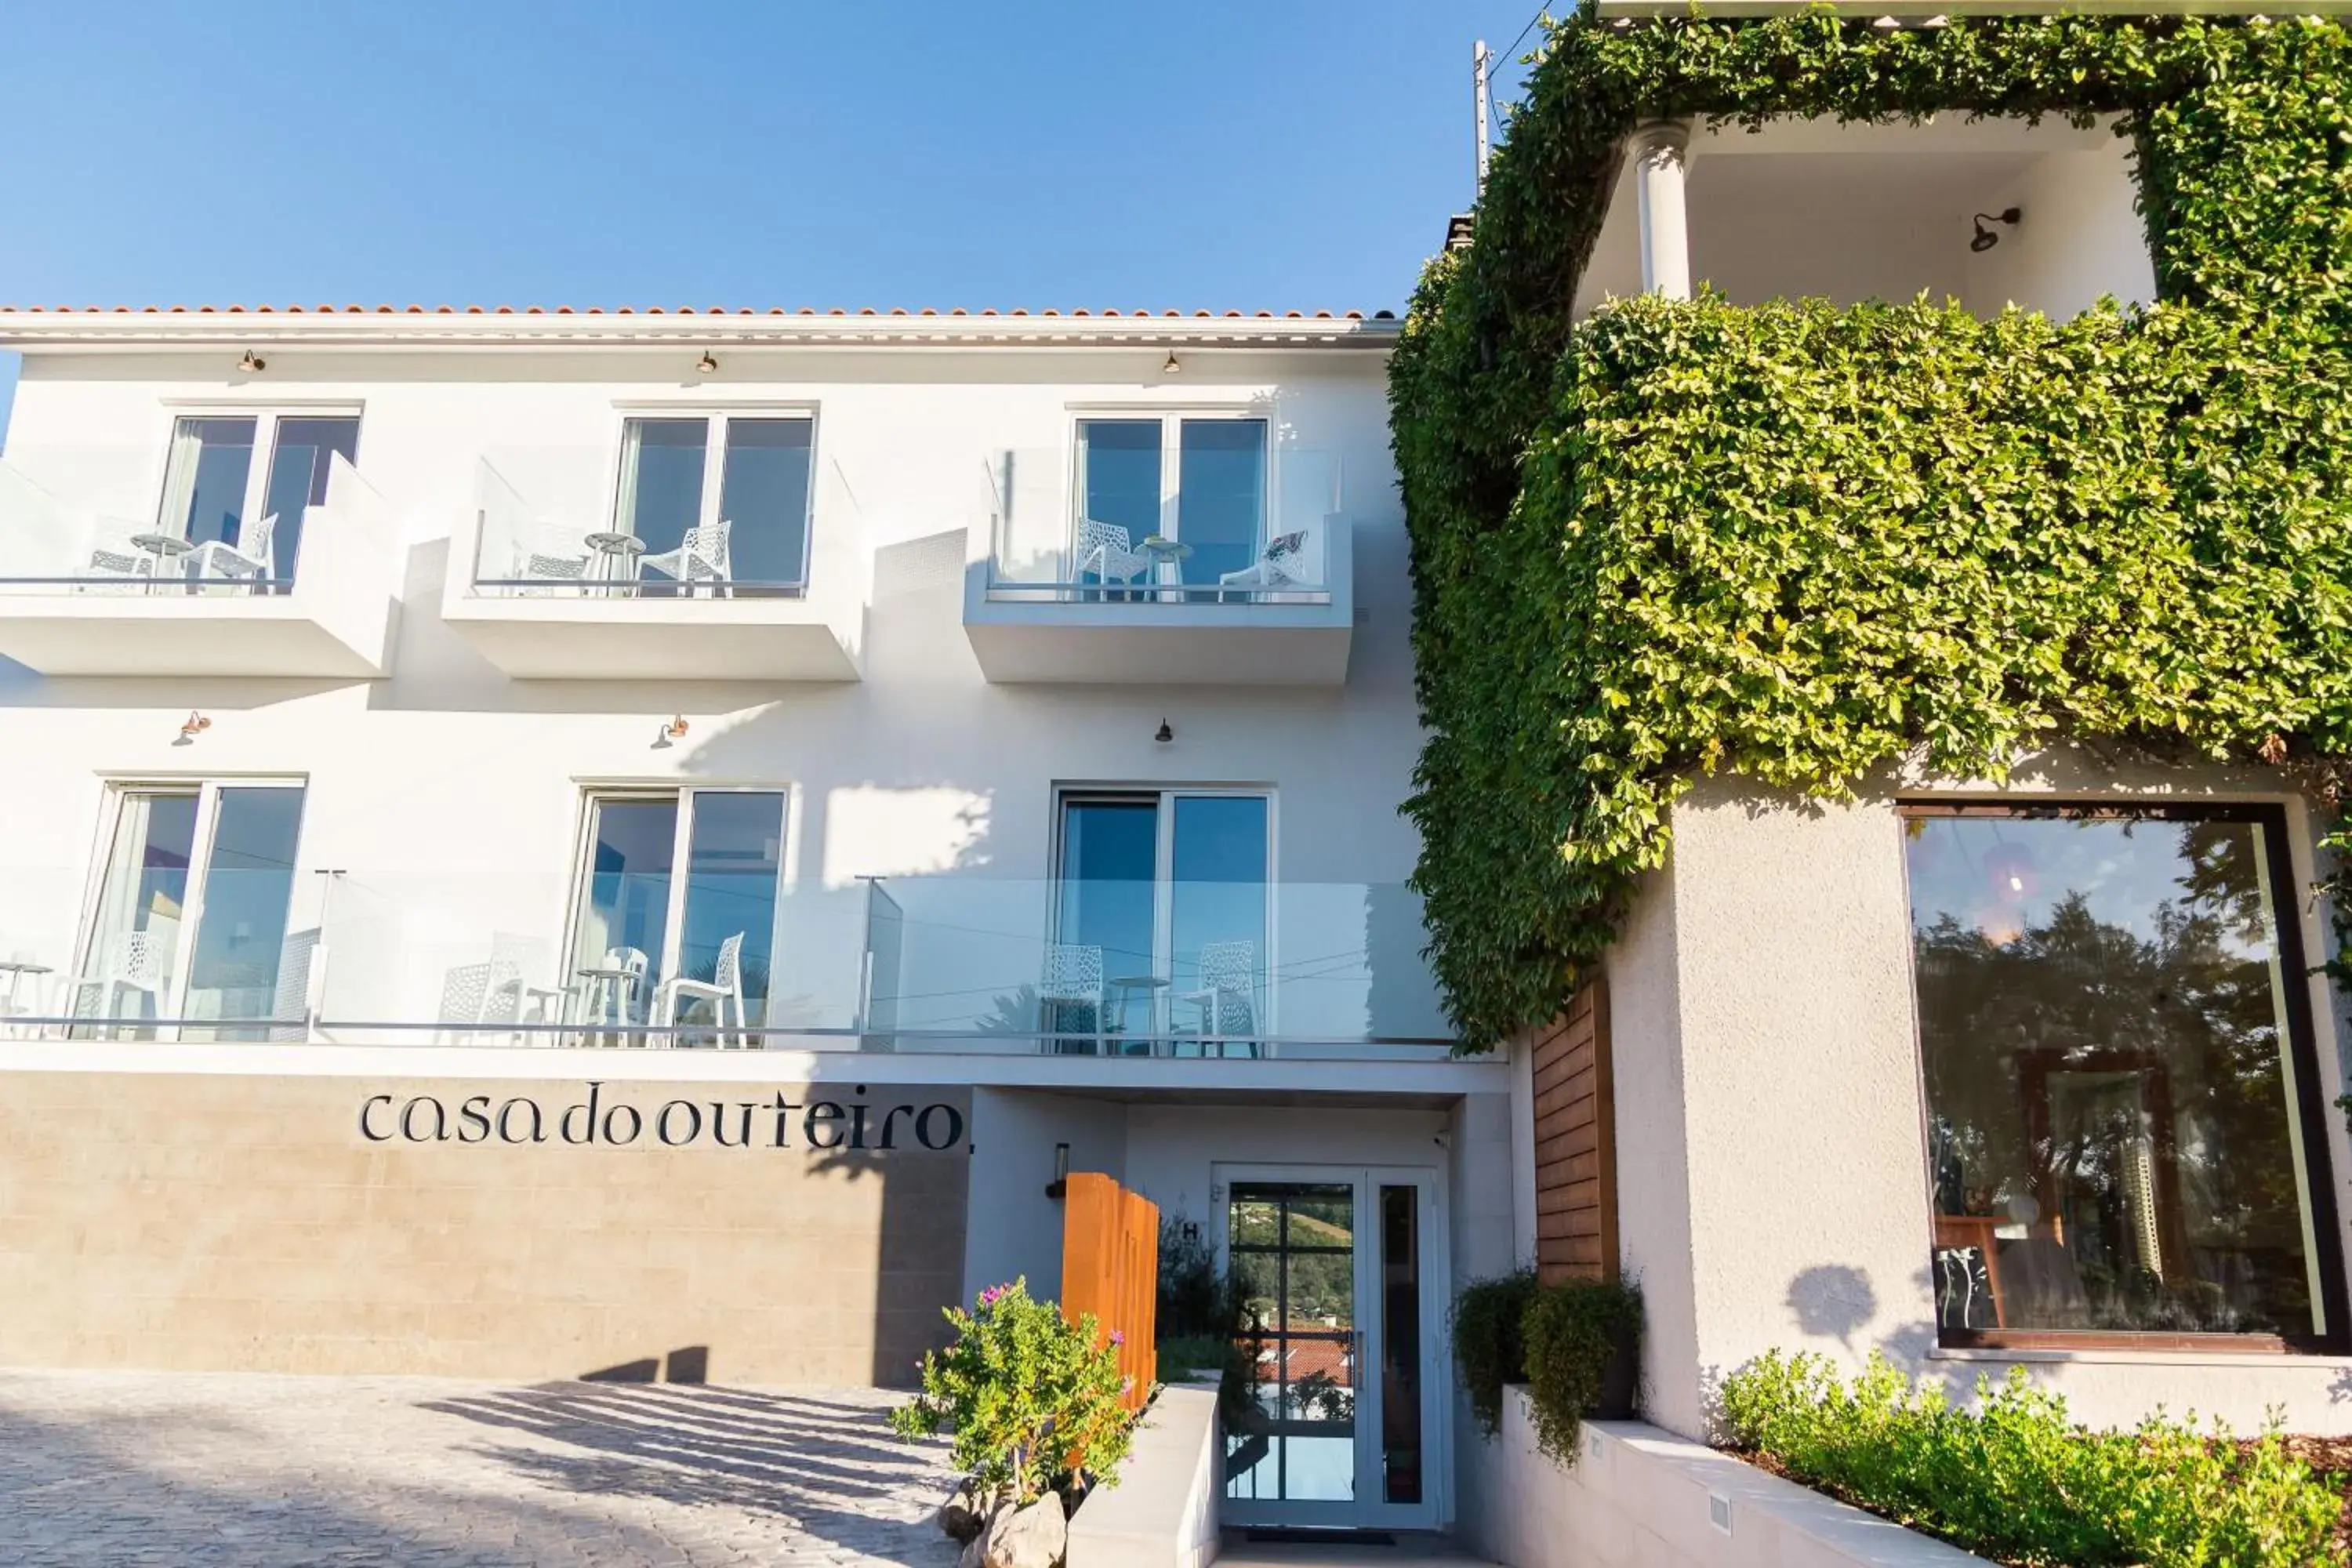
<point x="1797" y="543"/>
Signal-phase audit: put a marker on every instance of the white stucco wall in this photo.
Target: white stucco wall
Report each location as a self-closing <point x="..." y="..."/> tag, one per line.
<point x="1766" y="1054"/>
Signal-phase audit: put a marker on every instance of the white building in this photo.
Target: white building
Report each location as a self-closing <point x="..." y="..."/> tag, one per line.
<point x="1000" y="716"/>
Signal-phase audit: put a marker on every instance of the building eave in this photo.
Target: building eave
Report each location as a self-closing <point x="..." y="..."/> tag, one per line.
<point x="48" y="332"/>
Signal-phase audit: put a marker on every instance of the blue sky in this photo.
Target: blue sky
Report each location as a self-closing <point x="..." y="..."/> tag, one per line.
<point x="1213" y="154"/>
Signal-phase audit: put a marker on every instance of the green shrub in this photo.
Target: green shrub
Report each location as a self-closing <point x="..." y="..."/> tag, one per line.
<point x="2015" y="1479"/>
<point x="1185" y="1355"/>
<point x="1489" y="1345"/>
<point x="1029" y="1397"/>
<point x="1195" y="1297"/>
<point x="1573" y="1334"/>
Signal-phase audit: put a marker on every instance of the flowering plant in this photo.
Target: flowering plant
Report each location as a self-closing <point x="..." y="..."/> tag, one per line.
<point x="1029" y="1397"/>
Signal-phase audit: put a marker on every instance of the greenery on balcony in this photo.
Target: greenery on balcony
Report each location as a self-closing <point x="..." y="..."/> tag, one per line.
<point x="1799" y="543"/>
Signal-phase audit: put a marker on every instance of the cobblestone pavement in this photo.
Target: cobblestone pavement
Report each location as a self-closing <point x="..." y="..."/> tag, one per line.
<point x="153" y="1468"/>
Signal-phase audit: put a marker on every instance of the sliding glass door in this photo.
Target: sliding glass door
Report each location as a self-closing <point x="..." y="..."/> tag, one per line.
<point x="1197" y="480"/>
<point x="738" y="483"/>
<point x="675" y="886"/>
<point x="1162" y="895"/>
<point x="191" y="921"/>
<point x="216" y="493"/>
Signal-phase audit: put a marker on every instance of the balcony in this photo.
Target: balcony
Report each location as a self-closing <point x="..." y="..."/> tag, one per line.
<point x="92" y="584"/>
<point x="1254" y="587"/>
<point x="246" y="952"/>
<point x="550" y="580"/>
<point x="1987" y="212"/>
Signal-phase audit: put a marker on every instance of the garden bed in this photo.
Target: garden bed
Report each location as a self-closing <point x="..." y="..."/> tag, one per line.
<point x="2013" y="1480"/>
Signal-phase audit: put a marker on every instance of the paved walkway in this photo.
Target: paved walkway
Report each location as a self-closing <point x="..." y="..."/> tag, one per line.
<point x="144" y="1468"/>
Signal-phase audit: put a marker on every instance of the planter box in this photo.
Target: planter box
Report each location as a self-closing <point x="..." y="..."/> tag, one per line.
<point x="1163" y="1513"/>
<point x="1639" y="1497"/>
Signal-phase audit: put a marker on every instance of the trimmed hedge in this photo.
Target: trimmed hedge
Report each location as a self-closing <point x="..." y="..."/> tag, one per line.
<point x="2015" y="1479"/>
<point x="1799" y="542"/>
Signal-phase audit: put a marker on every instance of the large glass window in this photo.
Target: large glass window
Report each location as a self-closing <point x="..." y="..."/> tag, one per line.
<point x="1198" y="482"/>
<point x="1163" y="895"/>
<point x="677" y="912"/>
<point x="718" y="503"/>
<point x="215" y="494"/>
<point x="2120" y="1099"/>
<point x="191" y="922"/>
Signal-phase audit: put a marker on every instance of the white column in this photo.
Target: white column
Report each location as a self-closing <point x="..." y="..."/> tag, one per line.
<point x="1660" y="147"/>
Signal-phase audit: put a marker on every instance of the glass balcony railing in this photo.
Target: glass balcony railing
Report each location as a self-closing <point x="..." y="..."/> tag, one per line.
<point x="86" y="521"/>
<point x="1263" y="534"/>
<point x="725" y="960"/>
<point x="672" y="524"/>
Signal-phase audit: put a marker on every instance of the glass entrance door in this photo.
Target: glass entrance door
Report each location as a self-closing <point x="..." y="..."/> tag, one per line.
<point x="1338" y="1279"/>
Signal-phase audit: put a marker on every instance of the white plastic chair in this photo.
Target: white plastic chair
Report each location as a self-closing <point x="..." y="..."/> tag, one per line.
<point x="724" y="984"/>
<point x="1228" y="989"/>
<point x="1104" y="549"/>
<point x="128" y="962"/>
<point x="1074" y="976"/>
<point x="112" y="555"/>
<point x="555" y="556"/>
<point x="1275" y="567"/>
<point x="253" y="556"/>
<point x="701" y="556"/>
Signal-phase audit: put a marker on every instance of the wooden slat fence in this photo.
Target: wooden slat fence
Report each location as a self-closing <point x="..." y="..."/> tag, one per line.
<point x="1110" y="1266"/>
<point x="1576" y="1143"/>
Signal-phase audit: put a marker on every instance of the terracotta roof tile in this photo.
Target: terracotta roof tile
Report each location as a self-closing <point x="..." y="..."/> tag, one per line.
<point x="420" y="310"/>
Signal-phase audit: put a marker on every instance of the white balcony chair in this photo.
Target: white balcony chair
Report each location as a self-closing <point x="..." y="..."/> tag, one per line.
<point x="253" y="556"/>
<point x="1073" y="977"/>
<point x="1277" y="566"/>
<point x="1227" y="996"/>
<point x="555" y="556"/>
<point x="1104" y="549"/>
<point x="112" y="555"/>
<point x="724" y="984"/>
<point x="612" y="999"/>
<point x="701" y="557"/>
<point x="128" y="963"/>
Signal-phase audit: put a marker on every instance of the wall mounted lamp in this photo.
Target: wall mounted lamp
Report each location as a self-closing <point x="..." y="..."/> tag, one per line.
<point x="706" y="365"/>
<point x="1169" y="366"/>
<point x="252" y="363"/>
<point x="197" y="724"/>
<point x="1060" y="1185"/>
<point x="1163" y="735"/>
<point x="671" y="733"/>
<point x="1986" y="238"/>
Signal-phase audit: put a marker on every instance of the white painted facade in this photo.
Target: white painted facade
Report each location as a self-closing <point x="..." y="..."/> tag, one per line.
<point x="922" y="725"/>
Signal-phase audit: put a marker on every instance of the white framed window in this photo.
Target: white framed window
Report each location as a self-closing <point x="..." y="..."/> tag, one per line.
<point x="215" y="492"/>
<point x="1197" y="477"/>
<point x="190" y="915"/>
<point x="670" y="883"/>
<point x="738" y="481"/>
<point x="1167" y="893"/>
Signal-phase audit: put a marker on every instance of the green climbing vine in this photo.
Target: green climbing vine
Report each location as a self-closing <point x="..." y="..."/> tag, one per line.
<point x="1799" y="542"/>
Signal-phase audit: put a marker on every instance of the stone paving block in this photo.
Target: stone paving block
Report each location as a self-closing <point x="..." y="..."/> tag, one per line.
<point x="258" y="1469"/>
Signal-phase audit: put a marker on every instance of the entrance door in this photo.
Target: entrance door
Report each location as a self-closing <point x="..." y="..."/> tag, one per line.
<point x="1339" y="1272"/>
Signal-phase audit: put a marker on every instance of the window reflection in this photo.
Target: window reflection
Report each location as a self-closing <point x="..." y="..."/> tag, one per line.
<point x="2113" y="1109"/>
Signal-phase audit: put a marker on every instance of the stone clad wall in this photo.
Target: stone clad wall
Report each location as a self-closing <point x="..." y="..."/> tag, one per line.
<point x="215" y="1221"/>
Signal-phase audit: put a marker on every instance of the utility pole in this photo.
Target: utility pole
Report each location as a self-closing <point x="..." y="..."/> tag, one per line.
<point x="1480" y="63"/>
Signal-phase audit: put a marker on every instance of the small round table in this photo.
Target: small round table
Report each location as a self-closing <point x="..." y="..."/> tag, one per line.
<point x="15" y="969"/>
<point x="166" y="549"/>
<point x="615" y="566"/>
<point x="1167" y="558"/>
<point x="610" y="994"/>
